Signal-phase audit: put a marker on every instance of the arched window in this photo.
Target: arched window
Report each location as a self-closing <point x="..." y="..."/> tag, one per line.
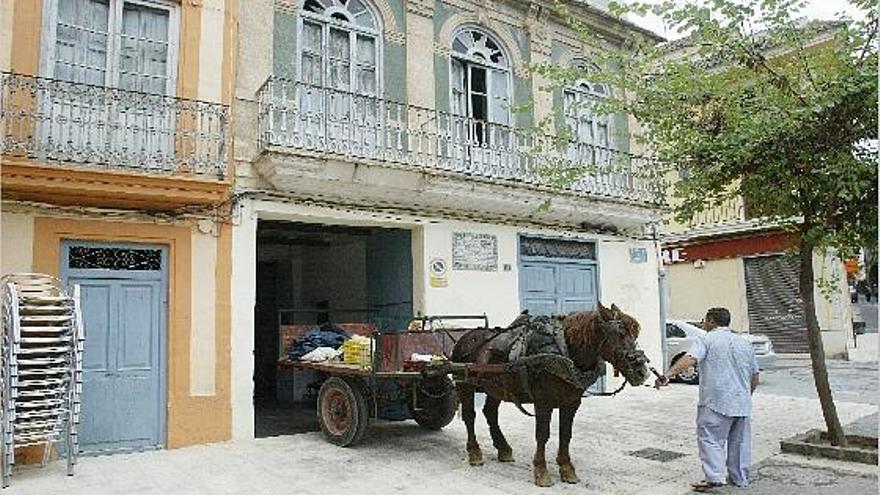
<point x="480" y="74"/>
<point x="340" y="45"/>
<point x="587" y="126"/>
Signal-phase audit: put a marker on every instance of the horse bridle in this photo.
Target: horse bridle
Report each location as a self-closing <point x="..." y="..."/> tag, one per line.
<point x="605" y="334"/>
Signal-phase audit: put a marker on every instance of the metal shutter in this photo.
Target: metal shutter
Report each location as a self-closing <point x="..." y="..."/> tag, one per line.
<point x="774" y="304"/>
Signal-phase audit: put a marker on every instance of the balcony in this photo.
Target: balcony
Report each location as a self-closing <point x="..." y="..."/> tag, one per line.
<point x="369" y="147"/>
<point x="73" y="143"/>
<point x="730" y="217"/>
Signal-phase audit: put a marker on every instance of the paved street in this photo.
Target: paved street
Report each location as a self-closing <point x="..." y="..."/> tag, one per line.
<point x="401" y="458"/>
<point x="849" y="380"/>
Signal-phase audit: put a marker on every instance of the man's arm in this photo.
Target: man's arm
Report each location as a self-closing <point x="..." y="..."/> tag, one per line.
<point x="754" y="381"/>
<point x="682" y="364"/>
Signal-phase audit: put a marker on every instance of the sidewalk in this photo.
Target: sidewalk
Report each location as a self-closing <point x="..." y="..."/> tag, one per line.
<point x="867" y="348"/>
<point x="401" y="458"/>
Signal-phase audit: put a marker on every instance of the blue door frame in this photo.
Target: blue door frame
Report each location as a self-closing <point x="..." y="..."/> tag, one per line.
<point x="124" y="360"/>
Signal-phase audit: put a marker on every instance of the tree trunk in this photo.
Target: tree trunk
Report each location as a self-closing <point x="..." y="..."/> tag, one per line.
<point x="817" y="350"/>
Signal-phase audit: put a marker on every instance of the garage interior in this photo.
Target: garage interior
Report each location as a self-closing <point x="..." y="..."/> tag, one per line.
<point x="359" y="277"/>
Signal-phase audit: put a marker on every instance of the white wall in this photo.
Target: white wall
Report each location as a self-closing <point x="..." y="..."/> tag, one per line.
<point x="633" y="287"/>
<point x="17" y="246"/>
<point x="472" y="292"/>
<point x="211" y="50"/>
<point x="244" y="294"/>
<point x="833" y="306"/>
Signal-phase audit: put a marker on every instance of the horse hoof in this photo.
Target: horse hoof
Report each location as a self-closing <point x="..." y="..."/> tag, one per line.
<point x="570" y="478"/>
<point x="568" y="475"/>
<point x="505" y="455"/>
<point x="543" y="480"/>
<point x="475" y="458"/>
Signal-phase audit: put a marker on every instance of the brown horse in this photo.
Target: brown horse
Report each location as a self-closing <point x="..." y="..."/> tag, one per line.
<point x="590" y="337"/>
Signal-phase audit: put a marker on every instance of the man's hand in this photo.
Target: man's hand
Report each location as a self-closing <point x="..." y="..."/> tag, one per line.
<point x="661" y="381"/>
<point x="679" y="366"/>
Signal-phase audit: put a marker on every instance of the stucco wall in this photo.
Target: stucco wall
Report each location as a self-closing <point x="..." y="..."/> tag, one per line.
<point x="472" y="292"/>
<point x="833" y="306"/>
<point x="197" y="352"/>
<point x="203" y="361"/>
<point x="16" y="250"/>
<point x="634" y="288"/>
<point x="719" y="283"/>
<point x="630" y="285"/>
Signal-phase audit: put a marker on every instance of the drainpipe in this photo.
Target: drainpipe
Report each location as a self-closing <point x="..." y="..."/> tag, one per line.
<point x="663" y="289"/>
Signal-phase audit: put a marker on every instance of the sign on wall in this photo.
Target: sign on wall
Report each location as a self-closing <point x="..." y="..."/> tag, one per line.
<point x="674" y="255"/>
<point x="437" y="267"/>
<point x="638" y="255"/>
<point x="473" y="251"/>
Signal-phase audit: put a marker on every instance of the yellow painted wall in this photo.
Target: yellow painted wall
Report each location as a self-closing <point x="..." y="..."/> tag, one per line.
<point x="198" y="373"/>
<point x="722" y="283"/>
<point x="719" y="283"/>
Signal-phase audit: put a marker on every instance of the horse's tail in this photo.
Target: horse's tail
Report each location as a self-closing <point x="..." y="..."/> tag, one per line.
<point x="522" y="409"/>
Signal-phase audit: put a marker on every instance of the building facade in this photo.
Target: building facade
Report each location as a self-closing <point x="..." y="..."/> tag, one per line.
<point x="725" y="258"/>
<point x="116" y="161"/>
<point x="212" y="171"/>
<point x="383" y="172"/>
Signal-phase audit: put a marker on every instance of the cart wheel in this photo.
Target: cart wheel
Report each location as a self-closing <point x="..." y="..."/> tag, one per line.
<point x="342" y="411"/>
<point x="437" y="402"/>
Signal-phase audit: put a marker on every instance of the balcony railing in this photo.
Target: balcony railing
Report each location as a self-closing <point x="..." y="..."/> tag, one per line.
<point x="730" y="212"/>
<point x="112" y="129"/>
<point x="366" y="128"/>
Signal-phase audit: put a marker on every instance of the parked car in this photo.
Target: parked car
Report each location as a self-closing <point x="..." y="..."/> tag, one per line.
<point x="680" y="336"/>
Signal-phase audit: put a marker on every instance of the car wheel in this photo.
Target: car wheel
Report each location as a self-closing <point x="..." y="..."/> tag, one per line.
<point x="690" y="375"/>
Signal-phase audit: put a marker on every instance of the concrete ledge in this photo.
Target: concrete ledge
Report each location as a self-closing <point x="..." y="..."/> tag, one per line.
<point x="814" y="443"/>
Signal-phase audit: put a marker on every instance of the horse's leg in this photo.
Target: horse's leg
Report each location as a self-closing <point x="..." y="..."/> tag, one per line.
<point x="542" y="434"/>
<point x="469" y="414"/>
<point x="490" y="410"/>
<point x="566" y="418"/>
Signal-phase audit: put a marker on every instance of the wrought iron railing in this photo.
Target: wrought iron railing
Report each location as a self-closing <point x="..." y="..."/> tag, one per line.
<point x="729" y="212"/>
<point x="299" y="116"/>
<point x="113" y="129"/>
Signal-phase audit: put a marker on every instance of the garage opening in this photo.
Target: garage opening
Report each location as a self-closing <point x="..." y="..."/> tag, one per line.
<point x="358" y="279"/>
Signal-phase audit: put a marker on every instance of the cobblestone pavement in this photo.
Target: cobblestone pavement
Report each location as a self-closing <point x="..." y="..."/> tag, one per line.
<point x="402" y="458"/>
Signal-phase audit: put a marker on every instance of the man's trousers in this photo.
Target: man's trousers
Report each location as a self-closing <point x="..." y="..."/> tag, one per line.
<point x="725" y="446"/>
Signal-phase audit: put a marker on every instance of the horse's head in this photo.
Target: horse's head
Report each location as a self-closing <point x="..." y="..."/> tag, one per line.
<point x="619" y="332"/>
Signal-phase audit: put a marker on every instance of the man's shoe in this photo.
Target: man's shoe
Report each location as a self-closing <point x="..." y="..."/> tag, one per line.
<point x="705" y="486"/>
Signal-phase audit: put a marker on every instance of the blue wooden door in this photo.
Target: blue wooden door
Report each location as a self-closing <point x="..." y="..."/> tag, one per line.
<point x="557" y="286"/>
<point x="123" y="304"/>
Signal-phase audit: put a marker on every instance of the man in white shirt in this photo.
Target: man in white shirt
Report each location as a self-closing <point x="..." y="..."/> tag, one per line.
<point x="728" y="374"/>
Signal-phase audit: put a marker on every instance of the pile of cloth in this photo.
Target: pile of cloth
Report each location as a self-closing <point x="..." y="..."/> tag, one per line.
<point x="320" y="343"/>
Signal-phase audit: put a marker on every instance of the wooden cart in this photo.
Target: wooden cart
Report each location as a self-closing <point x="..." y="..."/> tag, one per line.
<point x="391" y="387"/>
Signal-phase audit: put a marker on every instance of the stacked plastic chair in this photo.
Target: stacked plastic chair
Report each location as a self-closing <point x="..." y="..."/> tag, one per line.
<point x="41" y="368"/>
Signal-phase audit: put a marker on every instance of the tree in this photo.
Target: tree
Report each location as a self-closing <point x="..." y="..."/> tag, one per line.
<point x="759" y="104"/>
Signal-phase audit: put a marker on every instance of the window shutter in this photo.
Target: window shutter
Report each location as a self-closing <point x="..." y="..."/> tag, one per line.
<point x="499" y="108"/>
<point x="459" y="106"/>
